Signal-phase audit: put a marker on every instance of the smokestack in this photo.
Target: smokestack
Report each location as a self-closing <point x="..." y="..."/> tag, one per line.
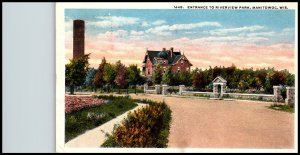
<point x="78" y="39"/>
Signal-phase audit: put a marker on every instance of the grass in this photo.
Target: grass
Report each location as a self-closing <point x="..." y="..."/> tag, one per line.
<point x="286" y="108"/>
<point x="78" y="122"/>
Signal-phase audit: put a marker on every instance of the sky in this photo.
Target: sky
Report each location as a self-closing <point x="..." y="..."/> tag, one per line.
<point x="257" y="38"/>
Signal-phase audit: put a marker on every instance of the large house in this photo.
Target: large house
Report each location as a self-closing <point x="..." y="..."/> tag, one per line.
<point x="165" y="58"/>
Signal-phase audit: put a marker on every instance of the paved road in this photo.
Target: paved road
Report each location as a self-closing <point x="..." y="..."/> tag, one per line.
<point x="203" y="123"/>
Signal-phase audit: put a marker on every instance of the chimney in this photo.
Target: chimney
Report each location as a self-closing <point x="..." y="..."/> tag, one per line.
<point x="171" y="51"/>
<point x="164" y="49"/>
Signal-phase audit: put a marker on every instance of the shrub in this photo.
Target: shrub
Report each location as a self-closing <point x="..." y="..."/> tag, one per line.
<point x="147" y="127"/>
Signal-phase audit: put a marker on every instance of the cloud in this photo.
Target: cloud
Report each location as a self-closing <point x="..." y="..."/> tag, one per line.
<point x="145" y="24"/>
<point x="272" y="33"/>
<point x="159" y="22"/>
<point x="164" y="29"/>
<point x="235" y="30"/>
<point x="137" y="33"/>
<point x="113" y="21"/>
<point x="108" y="35"/>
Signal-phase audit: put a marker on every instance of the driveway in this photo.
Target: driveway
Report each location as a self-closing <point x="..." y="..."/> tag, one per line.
<point x="204" y="123"/>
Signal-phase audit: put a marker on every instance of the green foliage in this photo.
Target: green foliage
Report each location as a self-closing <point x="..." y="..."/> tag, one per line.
<point x="109" y="74"/>
<point x="286" y="108"/>
<point x="172" y="90"/>
<point x="185" y="78"/>
<point x="167" y="77"/>
<point x="157" y="74"/>
<point x="199" y="80"/>
<point x="121" y="73"/>
<point x="90" y="77"/>
<point x="76" y="71"/>
<point x="146" y="127"/>
<point x="78" y="122"/>
<point x="98" y="80"/>
<point x="290" y="80"/>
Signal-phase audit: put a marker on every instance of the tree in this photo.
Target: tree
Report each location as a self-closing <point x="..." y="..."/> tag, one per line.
<point x="109" y="75"/>
<point x="290" y="81"/>
<point x="98" y="81"/>
<point x="184" y="77"/>
<point x="90" y="75"/>
<point x="199" y="80"/>
<point x="278" y="78"/>
<point x="134" y="76"/>
<point x="157" y="74"/>
<point x="120" y="79"/>
<point x="76" y="71"/>
<point x="167" y="77"/>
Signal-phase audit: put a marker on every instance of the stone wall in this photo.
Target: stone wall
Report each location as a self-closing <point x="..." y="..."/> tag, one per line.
<point x="263" y="97"/>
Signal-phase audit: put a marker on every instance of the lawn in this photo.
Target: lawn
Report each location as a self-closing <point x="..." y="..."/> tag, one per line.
<point x="285" y="108"/>
<point x="77" y="122"/>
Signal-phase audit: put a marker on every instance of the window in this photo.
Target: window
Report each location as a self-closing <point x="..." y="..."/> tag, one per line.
<point x="178" y="69"/>
<point x="164" y="61"/>
<point x="164" y="69"/>
<point x="181" y="62"/>
<point x="187" y="68"/>
<point x="148" y="71"/>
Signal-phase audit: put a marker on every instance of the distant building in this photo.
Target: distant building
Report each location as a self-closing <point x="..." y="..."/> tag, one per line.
<point x="78" y="39"/>
<point x="165" y="58"/>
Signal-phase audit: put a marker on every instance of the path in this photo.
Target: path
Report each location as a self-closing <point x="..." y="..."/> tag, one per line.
<point x="96" y="136"/>
<point x="203" y="123"/>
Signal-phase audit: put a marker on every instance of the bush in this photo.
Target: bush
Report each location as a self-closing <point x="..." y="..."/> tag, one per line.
<point x="173" y="90"/>
<point x="283" y="93"/>
<point x="147" y="127"/>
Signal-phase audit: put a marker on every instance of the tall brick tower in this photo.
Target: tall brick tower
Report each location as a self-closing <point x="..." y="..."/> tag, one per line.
<point x="78" y="38"/>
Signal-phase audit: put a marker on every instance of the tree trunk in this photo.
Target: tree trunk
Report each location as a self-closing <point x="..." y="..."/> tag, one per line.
<point x="135" y="89"/>
<point x="72" y="90"/>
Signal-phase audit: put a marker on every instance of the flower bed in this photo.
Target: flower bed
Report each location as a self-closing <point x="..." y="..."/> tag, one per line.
<point x="90" y="116"/>
<point x="74" y="103"/>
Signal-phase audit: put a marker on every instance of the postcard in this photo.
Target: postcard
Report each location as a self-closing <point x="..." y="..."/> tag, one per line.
<point x="176" y="77"/>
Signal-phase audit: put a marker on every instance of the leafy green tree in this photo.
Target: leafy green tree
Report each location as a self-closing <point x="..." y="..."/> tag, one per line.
<point x="278" y="78"/>
<point x="109" y="75"/>
<point x="90" y="75"/>
<point x="167" y="77"/>
<point x="134" y="76"/>
<point x="98" y="80"/>
<point x="290" y="80"/>
<point x="121" y="73"/>
<point x="76" y="72"/>
<point x="184" y="78"/>
<point x="157" y="74"/>
<point x="176" y="79"/>
<point x="199" y="81"/>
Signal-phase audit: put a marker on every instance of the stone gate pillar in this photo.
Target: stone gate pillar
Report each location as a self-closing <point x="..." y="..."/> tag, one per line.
<point x="145" y="87"/>
<point x="157" y="89"/>
<point x="290" y="96"/>
<point x="164" y="89"/>
<point x="222" y="90"/>
<point x="277" y="94"/>
<point x="181" y="89"/>
<point x="215" y="90"/>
